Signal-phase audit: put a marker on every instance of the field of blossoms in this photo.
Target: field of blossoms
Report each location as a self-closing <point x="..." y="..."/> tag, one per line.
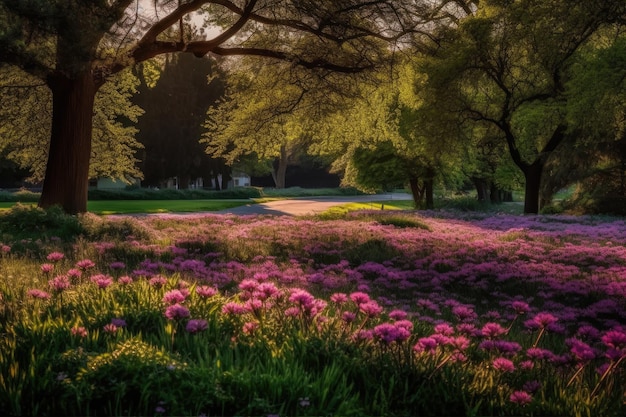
<point x="370" y="313"/>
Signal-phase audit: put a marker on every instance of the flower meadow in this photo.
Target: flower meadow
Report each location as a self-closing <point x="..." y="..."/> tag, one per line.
<point x="371" y="313"/>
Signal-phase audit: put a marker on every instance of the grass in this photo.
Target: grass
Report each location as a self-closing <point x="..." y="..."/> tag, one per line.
<point x="150" y="206"/>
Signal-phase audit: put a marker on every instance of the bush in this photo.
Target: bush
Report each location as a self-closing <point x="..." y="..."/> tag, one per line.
<point x="27" y="222"/>
<point x="171" y="194"/>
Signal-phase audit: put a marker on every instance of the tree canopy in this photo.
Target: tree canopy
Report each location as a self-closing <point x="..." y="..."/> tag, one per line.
<point x="75" y="46"/>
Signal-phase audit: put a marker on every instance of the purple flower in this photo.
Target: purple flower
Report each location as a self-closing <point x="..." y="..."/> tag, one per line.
<point x="117" y="265"/>
<point x="266" y="290"/>
<point x="118" y="322"/>
<point x="521" y="398"/>
<point x="464" y="313"/>
<point x="248" y="285"/>
<point x="444" y="329"/>
<point x="348" y="316"/>
<point x="176" y="312"/>
<point x="503" y="364"/>
<point x="196" y="325"/>
<point x="386" y="332"/>
<point x="581" y="351"/>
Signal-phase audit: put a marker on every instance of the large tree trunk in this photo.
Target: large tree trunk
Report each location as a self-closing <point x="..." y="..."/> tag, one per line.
<point x="417" y="192"/>
<point x="280" y="169"/>
<point x="429" y="191"/>
<point x="67" y="171"/>
<point x="482" y="188"/>
<point x="532" y="174"/>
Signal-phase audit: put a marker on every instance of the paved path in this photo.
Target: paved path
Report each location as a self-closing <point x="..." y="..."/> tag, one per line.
<point x="309" y="205"/>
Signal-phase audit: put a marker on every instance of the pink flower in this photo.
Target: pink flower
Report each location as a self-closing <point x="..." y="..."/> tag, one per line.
<point x="196" y="325"/>
<point x="520" y="307"/>
<point x="426" y="344"/>
<point x="125" y="280"/>
<point x="348" y="316"/>
<point x="266" y="290"/>
<point x="74" y="273"/>
<point x="233" y="308"/>
<point x="250" y="327"/>
<point x="59" y="283"/>
<point x="359" y="297"/>
<point x="521" y="398"/>
<point x="301" y="297"/>
<point x="388" y="333"/>
<point x="492" y="330"/>
<point x="292" y="312"/>
<point x="39" y="294"/>
<point x="79" y="331"/>
<point x="339" y="298"/>
<point x="47" y="268"/>
<point x="503" y="365"/>
<point x="173" y="297"/>
<point x="370" y="308"/>
<point x="464" y="313"/>
<point x="581" y="351"/>
<point x="444" y="329"/>
<point x="543" y="320"/>
<point x="55" y="256"/>
<point x="101" y="280"/>
<point x="110" y="328"/>
<point x="398" y="315"/>
<point x="205" y="291"/>
<point x="176" y="312"/>
<point x="248" y="285"/>
<point x="85" y="264"/>
<point x="157" y="281"/>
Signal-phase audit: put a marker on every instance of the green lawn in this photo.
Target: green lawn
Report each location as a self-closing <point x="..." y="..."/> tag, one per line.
<point x="151" y="206"/>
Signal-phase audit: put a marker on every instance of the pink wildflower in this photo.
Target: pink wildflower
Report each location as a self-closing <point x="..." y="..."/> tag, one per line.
<point x="85" y="264"/>
<point x="444" y="329"/>
<point x="39" y="294"/>
<point x="249" y="327"/>
<point x="492" y="330"/>
<point x="55" y="256"/>
<point x="125" y="280"/>
<point x="398" y="315"/>
<point x="426" y="344"/>
<point x="157" y="281"/>
<point x="359" y="297"/>
<point x="233" y="308"/>
<point x="339" y="298"/>
<point x="205" y="291"/>
<point x="301" y="297"/>
<point x="503" y="364"/>
<point x="79" y="331"/>
<point x="173" y="297"/>
<point x="74" y="273"/>
<point x="371" y="308"/>
<point x="520" y="307"/>
<point x="47" y="268"/>
<point x="101" y="280"/>
<point x="521" y="398"/>
<point x="59" y="283"/>
<point x="176" y="312"/>
<point x="110" y="328"/>
<point x="348" y="316"/>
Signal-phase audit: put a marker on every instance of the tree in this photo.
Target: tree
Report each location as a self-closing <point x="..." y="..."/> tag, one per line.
<point x="24" y="136"/>
<point x="75" y="46"/>
<point x="508" y="65"/>
<point x="171" y="127"/>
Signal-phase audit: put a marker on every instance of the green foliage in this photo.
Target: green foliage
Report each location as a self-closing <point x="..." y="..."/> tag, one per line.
<point x="25" y="136"/>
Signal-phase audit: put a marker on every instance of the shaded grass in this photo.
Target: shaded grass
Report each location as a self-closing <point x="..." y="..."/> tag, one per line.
<point x="150" y="206"/>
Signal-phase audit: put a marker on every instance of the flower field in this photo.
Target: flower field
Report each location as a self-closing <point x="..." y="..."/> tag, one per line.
<point x="372" y="313"/>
